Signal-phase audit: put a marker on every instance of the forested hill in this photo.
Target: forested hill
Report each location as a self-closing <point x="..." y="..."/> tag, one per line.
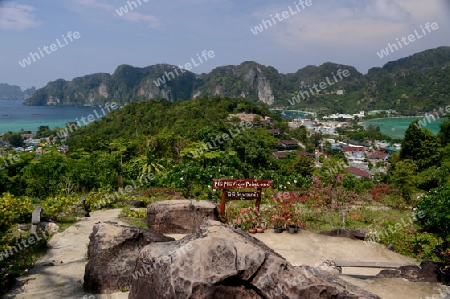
<point x="409" y="85"/>
<point x="186" y="121"/>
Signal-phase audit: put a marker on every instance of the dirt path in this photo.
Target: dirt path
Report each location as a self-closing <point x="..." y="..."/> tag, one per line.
<point x="64" y="280"/>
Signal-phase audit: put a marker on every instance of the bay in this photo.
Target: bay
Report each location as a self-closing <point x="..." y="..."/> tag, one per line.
<point x="14" y="116"/>
<point x="396" y="127"/>
<point x="292" y="113"/>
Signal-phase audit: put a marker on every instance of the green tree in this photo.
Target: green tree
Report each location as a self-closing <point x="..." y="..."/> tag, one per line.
<point x="301" y="165"/>
<point x="254" y="148"/>
<point x="42" y="177"/>
<point x="403" y="176"/>
<point x="444" y="133"/>
<point x="15" y="139"/>
<point x="43" y="131"/>
<point x="421" y="146"/>
<point x="301" y="134"/>
<point x="434" y="208"/>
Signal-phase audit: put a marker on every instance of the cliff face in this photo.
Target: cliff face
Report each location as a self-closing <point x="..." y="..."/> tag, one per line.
<point x="248" y="80"/>
<point x="415" y="83"/>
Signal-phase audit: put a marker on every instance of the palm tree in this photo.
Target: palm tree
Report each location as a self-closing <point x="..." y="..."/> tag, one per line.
<point x="150" y="165"/>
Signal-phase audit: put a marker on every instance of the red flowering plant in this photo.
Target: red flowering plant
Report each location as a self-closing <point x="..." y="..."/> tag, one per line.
<point x="277" y="221"/>
<point x="379" y="191"/>
<point x="247" y="218"/>
<point x="243" y="217"/>
<point x="382" y="193"/>
<point x="284" y="210"/>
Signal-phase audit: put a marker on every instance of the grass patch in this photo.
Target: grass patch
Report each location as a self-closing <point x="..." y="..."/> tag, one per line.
<point x="137" y="222"/>
<point x="134" y="216"/>
<point x="66" y="222"/>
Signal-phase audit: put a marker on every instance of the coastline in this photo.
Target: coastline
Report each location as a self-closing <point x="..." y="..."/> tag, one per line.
<point x="417" y="116"/>
<point x="29" y="118"/>
<point x="395" y="127"/>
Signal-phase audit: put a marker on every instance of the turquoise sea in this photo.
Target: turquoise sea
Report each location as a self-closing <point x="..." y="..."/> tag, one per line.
<point x="14" y="116"/>
<point x="396" y="127"/>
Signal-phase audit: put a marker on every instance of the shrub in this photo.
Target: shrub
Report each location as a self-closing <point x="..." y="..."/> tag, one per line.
<point x="434" y="207"/>
<point x="58" y="206"/>
<point x="14" y="210"/>
<point x="97" y="201"/>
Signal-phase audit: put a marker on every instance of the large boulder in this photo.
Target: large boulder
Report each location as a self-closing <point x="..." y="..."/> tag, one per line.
<point x="112" y="252"/>
<point x="180" y="216"/>
<point x="218" y="261"/>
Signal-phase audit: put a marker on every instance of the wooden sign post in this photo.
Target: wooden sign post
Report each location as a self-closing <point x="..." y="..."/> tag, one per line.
<point x="226" y="184"/>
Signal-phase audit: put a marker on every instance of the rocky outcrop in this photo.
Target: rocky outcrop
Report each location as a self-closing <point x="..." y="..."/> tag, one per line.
<point x="265" y="93"/>
<point x="103" y="91"/>
<point x="180" y="216"/>
<point x="426" y="272"/>
<point x="112" y="254"/>
<point x="346" y="233"/>
<point x="221" y="262"/>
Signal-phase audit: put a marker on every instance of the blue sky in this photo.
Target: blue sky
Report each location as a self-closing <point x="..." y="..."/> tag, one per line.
<point x="345" y="31"/>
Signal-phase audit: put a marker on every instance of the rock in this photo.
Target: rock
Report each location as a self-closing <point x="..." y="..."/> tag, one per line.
<point x="46" y="219"/>
<point x="112" y="254"/>
<point x="81" y="213"/>
<point x="329" y="267"/>
<point x="338" y="282"/>
<point x="53" y="263"/>
<point x="49" y="227"/>
<point x="36" y="215"/>
<point x="346" y="233"/>
<point x="134" y="203"/>
<point x="426" y="272"/>
<point x="180" y="216"/>
<point x="23" y="227"/>
<point x="391" y="247"/>
<point x="79" y="209"/>
<point x="36" y="218"/>
<point x="218" y="261"/>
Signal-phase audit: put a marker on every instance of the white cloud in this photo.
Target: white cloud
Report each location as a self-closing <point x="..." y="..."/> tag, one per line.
<point x="14" y="16"/>
<point x="387" y="10"/>
<point x="422" y="11"/>
<point x="94" y="4"/>
<point x="363" y="25"/>
<point x="130" y="16"/>
<point x="138" y="17"/>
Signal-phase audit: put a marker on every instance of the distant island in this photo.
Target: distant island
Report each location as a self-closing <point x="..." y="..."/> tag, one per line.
<point x="15" y="93"/>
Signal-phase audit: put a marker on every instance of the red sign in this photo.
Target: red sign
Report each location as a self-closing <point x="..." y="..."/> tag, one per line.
<point x="241" y="183"/>
<point x="232" y="195"/>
